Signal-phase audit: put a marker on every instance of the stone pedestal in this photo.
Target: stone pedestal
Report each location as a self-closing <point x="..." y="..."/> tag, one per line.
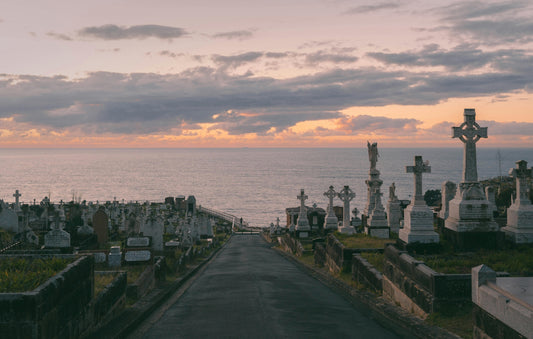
<point x="519" y="223"/>
<point x="347" y="230"/>
<point x="377" y="225"/>
<point x="418" y="225"/>
<point x="373" y="184"/>
<point x="394" y="215"/>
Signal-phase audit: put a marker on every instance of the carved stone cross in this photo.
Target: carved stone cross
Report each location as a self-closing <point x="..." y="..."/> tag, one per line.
<point x="346" y="195"/>
<point x="17" y="195"/>
<point x="303" y="223"/>
<point x="418" y="168"/>
<point x="469" y="133"/>
<point x="330" y="194"/>
<point x="521" y="173"/>
<point x="302" y="197"/>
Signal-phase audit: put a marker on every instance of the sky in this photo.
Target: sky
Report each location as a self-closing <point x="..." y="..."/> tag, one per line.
<point x="291" y="73"/>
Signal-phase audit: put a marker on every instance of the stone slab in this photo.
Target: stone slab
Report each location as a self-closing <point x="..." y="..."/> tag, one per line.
<point x="99" y="257"/>
<point x="138" y="242"/>
<point x="520" y="287"/>
<point x="134" y="256"/>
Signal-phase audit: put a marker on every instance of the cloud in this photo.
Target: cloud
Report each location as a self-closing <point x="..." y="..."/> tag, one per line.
<point x="508" y="128"/>
<point x="233" y="61"/>
<point x="59" y="36"/>
<point x="114" y="32"/>
<point x="460" y="58"/>
<point x="489" y="23"/>
<point x="324" y="56"/>
<point x="363" y="9"/>
<point x="372" y="124"/>
<point x="234" y="35"/>
<point x="170" y="54"/>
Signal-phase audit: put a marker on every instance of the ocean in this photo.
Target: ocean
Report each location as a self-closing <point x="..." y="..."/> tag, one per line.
<point x="256" y="184"/>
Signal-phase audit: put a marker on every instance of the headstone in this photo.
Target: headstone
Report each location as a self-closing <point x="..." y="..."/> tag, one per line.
<point x="418" y="217"/>
<point x="85" y="229"/>
<point x="373" y="182"/>
<point x="331" y="222"/>
<point x="393" y="209"/>
<point x="191" y="206"/>
<point x="99" y="257"/>
<point x="154" y="227"/>
<point x="17" y="195"/>
<point x="57" y="238"/>
<point x="8" y="218"/>
<point x="115" y="257"/>
<point x="377" y="225"/>
<point x="346" y="195"/>
<point x="138" y="242"/>
<point x="137" y="255"/>
<point x="490" y="195"/>
<point x="100" y="225"/>
<point x="448" y="190"/>
<point x="520" y="214"/>
<point x="470" y="211"/>
<point x="302" y="226"/>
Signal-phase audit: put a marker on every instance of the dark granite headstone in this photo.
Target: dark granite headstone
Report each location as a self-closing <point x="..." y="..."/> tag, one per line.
<point x="100" y="223"/>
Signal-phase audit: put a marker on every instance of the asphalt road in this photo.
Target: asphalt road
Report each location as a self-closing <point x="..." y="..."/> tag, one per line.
<point x="250" y="291"/>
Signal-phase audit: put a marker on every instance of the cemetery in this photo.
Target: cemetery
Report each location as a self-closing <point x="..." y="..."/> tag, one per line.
<point x="68" y="269"/>
<point x="426" y="259"/>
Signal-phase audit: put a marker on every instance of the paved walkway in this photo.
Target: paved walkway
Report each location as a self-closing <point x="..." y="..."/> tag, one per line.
<point x="250" y="291"/>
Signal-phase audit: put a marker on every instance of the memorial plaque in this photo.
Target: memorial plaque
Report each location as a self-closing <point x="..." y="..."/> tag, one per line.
<point x="138" y="242"/>
<point x="141" y="255"/>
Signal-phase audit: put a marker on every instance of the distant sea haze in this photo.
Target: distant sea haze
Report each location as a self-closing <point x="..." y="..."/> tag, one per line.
<point x="255" y="184"/>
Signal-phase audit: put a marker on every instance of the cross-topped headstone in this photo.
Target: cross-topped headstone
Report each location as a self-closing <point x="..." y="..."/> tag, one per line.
<point x="17" y="203"/>
<point x="469" y="133"/>
<point x="303" y="223"/>
<point x="330" y="194"/>
<point x="418" y="168"/>
<point x="521" y="173"/>
<point x="346" y="195"/>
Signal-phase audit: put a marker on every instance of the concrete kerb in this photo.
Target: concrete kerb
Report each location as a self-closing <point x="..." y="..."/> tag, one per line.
<point x="388" y="315"/>
<point x="130" y="319"/>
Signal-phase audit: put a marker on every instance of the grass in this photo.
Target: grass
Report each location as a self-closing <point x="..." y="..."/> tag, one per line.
<point x="307" y="258"/>
<point x="21" y="274"/>
<point x="375" y="259"/>
<point x="361" y="240"/>
<point x="518" y="261"/>
<point x="134" y="272"/>
<point x="457" y="320"/>
<point x="102" y="280"/>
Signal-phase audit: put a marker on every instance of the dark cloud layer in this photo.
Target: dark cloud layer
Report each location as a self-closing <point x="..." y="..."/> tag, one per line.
<point x="114" y="32"/>
<point x="234" y="35"/>
<point x="363" y="9"/>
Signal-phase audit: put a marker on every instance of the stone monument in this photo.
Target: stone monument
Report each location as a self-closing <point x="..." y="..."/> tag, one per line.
<point x="17" y="208"/>
<point x="57" y="238"/>
<point x="100" y="224"/>
<point x="114" y="258"/>
<point x="376" y="224"/>
<point x="418" y="217"/>
<point x="331" y="222"/>
<point x="302" y="225"/>
<point x="393" y="209"/>
<point x="470" y="219"/>
<point x="520" y="214"/>
<point x="373" y="182"/>
<point x="448" y="190"/>
<point x="346" y="195"/>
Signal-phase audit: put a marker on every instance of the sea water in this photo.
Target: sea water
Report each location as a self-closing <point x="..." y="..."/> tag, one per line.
<point x="256" y="184"/>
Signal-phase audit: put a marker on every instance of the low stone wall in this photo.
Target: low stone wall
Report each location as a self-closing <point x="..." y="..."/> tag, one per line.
<point x="290" y="244"/>
<point x="111" y="300"/>
<point x="363" y="272"/>
<point x="143" y="284"/>
<point x="338" y="256"/>
<point x="406" y="277"/>
<point x="55" y="309"/>
<point x="320" y="254"/>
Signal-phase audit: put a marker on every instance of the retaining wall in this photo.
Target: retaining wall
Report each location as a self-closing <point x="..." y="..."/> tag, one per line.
<point x="363" y="272"/>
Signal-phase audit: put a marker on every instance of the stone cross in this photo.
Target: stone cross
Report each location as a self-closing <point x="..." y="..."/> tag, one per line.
<point x="346" y="195"/>
<point x="521" y="173"/>
<point x="17" y="195"/>
<point x="418" y="168"/>
<point x="302" y="197"/>
<point x="469" y="133"/>
<point x="330" y="194"/>
<point x="302" y="217"/>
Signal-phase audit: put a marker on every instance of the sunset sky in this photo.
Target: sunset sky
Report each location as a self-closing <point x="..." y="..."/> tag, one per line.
<point x="291" y="73"/>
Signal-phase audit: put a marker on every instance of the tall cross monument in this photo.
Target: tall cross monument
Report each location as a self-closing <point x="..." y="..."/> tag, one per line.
<point x="303" y="222"/>
<point x="418" y="217"/>
<point x="469" y="132"/>
<point x="418" y="169"/>
<point x="17" y="195"/>
<point x="346" y="195"/>
<point x="520" y="214"/>
<point x="331" y="222"/>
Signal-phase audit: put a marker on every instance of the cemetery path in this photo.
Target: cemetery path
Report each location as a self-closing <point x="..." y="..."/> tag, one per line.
<point x="248" y="291"/>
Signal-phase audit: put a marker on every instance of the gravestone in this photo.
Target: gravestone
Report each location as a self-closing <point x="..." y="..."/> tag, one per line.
<point x="17" y="195"/>
<point x="346" y="195"/>
<point x="393" y="209"/>
<point x="418" y="217"/>
<point x="191" y="206"/>
<point x="137" y="255"/>
<point x="470" y="222"/>
<point x="373" y="182"/>
<point x="138" y="242"/>
<point x="520" y="214"/>
<point x="115" y="257"/>
<point x="100" y="225"/>
<point x="8" y="218"/>
<point x="302" y="226"/>
<point x="491" y="197"/>
<point x="154" y="228"/>
<point x="331" y="222"/>
<point x="448" y="190"/>
<point x="85" y="229"/>
<point x="377" y="225"/>
<point x="57" y="238"/>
